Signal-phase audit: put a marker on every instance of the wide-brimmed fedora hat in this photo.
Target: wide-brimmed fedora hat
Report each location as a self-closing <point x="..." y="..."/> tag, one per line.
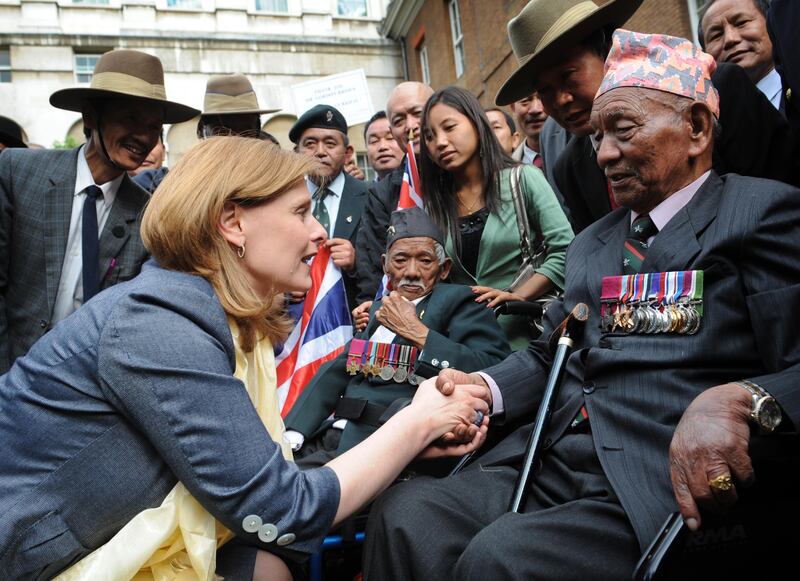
<point x="231" y="95"/>
<point x="126" y="74"/>
<point x="544" y="29"/>
<point x="10" y="133"/>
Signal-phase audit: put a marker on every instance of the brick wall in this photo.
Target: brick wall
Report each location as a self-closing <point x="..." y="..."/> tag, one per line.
<point x="488" y="56"/>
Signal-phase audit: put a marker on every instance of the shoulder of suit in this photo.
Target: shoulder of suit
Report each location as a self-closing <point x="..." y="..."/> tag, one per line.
<point x="355" y="185"/>
<point x="451" y="293"/>
<point x="384" y="189"/>
<point x="128" y="187"/>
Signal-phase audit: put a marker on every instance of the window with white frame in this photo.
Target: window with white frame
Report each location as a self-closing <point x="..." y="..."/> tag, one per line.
<point x="351" y="8"/>
<point x="188" y="4"/>
<point x="363" y="163"/>
<point x="272" y="5"/>
<point x="84" y="67"/>
<point x="91" y="2"/>
<point x="458" y="38"/>
<point x="423" y="63"/>
<point x="5" y="65"/>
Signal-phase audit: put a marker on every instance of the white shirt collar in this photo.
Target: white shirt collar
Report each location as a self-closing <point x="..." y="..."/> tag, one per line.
<point x="771" y="86"/>
<point x="528" y="153"/>
<point x="84" y="179"/>
<point x="336" y="186"/>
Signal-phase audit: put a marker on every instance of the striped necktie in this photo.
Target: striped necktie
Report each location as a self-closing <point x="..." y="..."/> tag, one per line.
<point x="634" y="249"/>
<point x="321" y="211"/>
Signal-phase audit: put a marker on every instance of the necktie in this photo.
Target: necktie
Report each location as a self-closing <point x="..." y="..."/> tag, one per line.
<point x="90" y="246"/>
<point x="320" y="211"/>
<point x="537" y="161"/>
<point x="634" y="249"/>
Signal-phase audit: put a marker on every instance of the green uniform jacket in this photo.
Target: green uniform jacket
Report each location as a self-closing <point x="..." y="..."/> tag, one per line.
<point x="499" y="257"/>
<point x="462" y="334"/>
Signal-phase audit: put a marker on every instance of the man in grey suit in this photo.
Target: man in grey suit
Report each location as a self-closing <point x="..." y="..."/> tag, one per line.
<point x="339" y="198"/>
<point x="69" y="219"/>
<point x="688" y="285"/>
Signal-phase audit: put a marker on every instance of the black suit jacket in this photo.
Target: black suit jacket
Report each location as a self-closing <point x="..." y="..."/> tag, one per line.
<point x="783" y="23"/>
<point x="348" y="220"/>
<point x="36" y="194"/>
<point x="742" y="232"/>
<point x="755" y="141"/>
<point x="462" y="334"/>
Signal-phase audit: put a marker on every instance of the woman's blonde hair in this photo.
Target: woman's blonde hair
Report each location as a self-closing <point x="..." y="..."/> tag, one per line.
<point x="180" y="226"/>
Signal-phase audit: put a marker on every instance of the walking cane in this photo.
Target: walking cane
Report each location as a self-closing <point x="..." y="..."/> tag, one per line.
<point x="563" y="339"/>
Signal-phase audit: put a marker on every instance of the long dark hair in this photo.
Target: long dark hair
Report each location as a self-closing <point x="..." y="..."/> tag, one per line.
<point x="438" y="185"/>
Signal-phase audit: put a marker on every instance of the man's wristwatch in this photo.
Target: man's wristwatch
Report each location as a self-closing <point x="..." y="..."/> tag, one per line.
<point x="765" y="413"/>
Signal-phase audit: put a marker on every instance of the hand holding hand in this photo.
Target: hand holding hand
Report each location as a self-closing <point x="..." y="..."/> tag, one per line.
<point x="446" y="413"/>
<point x="710" y="443"/>
<point x="446" y="383"/>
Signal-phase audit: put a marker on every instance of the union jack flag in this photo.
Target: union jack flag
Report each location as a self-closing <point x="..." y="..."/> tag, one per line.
<point x="323" y="329"/>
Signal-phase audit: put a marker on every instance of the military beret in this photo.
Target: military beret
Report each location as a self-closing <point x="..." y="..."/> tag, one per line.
<point x="412" y="223"/>
<point x="320" y="116"/>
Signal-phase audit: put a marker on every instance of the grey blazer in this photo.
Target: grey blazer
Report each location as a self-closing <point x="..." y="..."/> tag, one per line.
<point x="740" y="231"/>
<point x="128" y="395"/>
<point x="36" y="195"/>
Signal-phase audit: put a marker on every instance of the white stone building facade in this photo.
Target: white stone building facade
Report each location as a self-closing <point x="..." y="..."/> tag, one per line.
<point x="46" y="45"/>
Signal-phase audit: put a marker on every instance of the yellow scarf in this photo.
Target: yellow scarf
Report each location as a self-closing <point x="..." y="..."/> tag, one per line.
<point x="178" y="541"/>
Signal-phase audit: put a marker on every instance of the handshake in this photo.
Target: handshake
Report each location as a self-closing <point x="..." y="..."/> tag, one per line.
<point x="458" y="405"/>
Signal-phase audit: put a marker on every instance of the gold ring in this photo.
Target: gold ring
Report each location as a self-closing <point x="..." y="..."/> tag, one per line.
<point x="721" y="483"/>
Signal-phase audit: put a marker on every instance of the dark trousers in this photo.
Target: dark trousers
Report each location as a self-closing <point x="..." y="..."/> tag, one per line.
<point x="458" y="527"/>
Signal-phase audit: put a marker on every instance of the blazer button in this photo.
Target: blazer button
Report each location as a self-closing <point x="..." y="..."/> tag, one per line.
<point x="268" y="533"/>
<point x="286" y="539"/>
<point x="43" y="324"/>
<point x="435" y="362"/>
<point x="251" y="523"/>
<point x="588" y="387"/>
<point x="445" y="364"/>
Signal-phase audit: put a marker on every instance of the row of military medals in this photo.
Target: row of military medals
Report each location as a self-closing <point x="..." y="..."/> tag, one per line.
<point x="388" y="361"/>
<point x="650" y="303"/>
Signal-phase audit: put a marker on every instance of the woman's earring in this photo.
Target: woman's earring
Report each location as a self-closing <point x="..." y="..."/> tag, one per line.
<point x="240" y="250"/>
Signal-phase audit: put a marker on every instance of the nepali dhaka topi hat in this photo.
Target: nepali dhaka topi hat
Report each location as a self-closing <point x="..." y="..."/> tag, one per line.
<point x="128" y="74"/>
<point x="661" y="62"/>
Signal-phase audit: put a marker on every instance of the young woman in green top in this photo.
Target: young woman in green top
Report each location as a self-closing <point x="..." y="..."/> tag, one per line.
<point x="466" y="180"/>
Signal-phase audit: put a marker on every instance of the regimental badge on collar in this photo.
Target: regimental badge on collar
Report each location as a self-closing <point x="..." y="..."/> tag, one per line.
<point x="654" y="302"/>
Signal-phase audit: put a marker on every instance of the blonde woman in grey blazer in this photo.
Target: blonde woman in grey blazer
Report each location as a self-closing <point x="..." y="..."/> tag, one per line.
<point x="135" y="391"/>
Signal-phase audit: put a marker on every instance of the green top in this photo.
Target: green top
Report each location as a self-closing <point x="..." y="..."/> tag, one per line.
<point x="499" y="257"/>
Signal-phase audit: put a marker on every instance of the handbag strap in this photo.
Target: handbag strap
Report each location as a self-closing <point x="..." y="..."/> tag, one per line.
<point x="525" y="242"/>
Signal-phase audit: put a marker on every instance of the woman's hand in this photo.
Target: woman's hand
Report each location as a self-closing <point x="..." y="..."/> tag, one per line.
<point x="445" y="413"/>
<point x="494" y="296"/>
<point x="443" y="449"/>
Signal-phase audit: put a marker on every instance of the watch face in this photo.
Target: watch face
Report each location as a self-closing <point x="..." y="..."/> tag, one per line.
<point x="768" y="413"/>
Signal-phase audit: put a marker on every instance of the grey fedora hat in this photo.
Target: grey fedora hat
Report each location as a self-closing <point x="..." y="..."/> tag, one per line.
<point x="544" y="29"/>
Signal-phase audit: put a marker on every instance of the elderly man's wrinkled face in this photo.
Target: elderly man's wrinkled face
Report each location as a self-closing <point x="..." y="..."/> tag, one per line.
<point x="412" y="267"/>
<point x="643" y="146"/>
<point x="736" y="31"/>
